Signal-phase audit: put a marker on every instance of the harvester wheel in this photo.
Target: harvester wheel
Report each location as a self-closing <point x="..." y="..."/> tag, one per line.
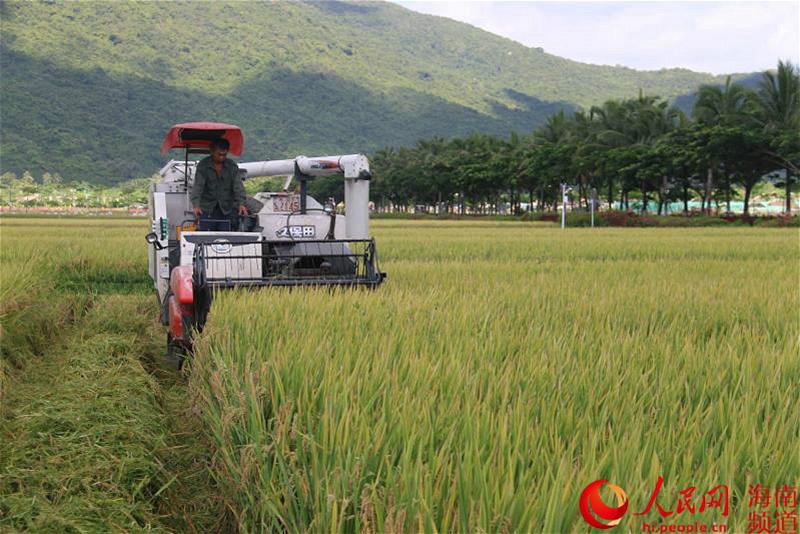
<point x="176" y="354"/>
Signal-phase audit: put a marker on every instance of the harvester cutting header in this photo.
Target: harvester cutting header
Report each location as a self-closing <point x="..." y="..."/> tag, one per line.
<point x="282" y="238"/>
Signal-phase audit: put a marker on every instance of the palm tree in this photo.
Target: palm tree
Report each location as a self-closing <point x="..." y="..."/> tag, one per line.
<point x="555" y="130"/>
<point x="610" y="122"/>
<point x="779" y="113"/>
<point x="720" y="106"/>
<point x="629" y="124"/>
<point x="717" y="105"/>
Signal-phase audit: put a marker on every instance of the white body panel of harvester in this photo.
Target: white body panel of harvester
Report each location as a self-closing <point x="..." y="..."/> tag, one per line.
<point x="224" y="260"/>
<point x="280" y="220"/>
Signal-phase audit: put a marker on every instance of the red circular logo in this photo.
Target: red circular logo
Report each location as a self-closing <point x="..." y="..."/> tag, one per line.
<point x="596" y="512"/>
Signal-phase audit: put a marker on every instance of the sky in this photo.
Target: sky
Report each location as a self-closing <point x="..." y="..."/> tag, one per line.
<point x="715" y="37"/>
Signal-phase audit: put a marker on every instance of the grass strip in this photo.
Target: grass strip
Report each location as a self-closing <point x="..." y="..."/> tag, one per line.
<point x="90" y="446"/>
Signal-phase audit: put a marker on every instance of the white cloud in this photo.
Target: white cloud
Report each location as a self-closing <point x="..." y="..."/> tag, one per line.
<point x="716" y="37"/>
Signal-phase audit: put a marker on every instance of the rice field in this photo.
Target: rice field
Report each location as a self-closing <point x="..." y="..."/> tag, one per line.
<point x="500" y="369"/>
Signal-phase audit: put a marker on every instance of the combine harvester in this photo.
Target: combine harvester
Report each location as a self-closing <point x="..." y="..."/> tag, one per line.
<point x="292" y="240"/>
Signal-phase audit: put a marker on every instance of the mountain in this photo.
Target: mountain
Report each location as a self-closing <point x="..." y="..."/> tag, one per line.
<point x="88" y="89"/>
<point x="751" y="81"/>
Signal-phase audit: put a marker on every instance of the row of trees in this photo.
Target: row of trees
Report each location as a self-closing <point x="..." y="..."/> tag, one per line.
<point x="636" y="148"/>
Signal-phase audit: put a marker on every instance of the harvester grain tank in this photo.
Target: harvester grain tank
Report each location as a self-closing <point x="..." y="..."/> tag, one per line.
<point x="290" y="240"/>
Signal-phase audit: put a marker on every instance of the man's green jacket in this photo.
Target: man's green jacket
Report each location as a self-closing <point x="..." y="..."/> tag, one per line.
<point x="210" y="190"/>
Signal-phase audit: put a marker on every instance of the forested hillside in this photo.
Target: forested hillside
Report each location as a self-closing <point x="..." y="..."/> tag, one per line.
<point x="88" y="89"/>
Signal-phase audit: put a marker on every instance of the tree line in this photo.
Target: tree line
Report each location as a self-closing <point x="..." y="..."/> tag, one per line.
<point x="641" y="148"/>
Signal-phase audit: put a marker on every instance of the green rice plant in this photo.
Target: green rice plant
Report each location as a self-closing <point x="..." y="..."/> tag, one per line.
<point x="81" y="255"/>
<point x="81" y="454"/>
<point x="50" y="270"/>
<point x="96" y="434"/>
<point x="500" y="369"/>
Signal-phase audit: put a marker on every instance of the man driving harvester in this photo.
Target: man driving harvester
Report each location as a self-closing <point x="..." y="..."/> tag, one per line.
<point x="218" y="196"/>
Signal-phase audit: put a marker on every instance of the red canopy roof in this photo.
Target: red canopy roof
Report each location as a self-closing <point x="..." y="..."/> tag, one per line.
<point x="200" y="134"/>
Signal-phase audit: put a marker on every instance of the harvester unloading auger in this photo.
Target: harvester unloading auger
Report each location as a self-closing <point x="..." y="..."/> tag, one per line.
<point x="292" y="240"/>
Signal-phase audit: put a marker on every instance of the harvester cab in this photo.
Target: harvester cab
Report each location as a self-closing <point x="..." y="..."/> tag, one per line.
<point x="292" y="240"/>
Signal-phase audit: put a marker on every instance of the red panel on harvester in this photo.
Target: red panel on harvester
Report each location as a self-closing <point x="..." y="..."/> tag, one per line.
<point x="175" y="319"/>
<point x="180" y="282"/>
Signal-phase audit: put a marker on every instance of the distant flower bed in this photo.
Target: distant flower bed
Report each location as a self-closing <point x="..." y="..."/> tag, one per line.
<point x="630" y="218"/>
<point x="620" y="218"/>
